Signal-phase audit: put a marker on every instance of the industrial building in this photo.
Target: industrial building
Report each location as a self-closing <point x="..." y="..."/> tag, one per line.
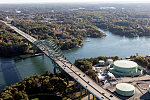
<point x="100" y="77"/>
<point x="125" y="68"/>
<point x="109" y="61"/>
<point x="125" y="89"/>
<point x="101" y="63"/>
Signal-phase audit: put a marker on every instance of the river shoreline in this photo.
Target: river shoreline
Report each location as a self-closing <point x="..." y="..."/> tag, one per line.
<point x="22" y="57"/>
<point x="111" y="45"/>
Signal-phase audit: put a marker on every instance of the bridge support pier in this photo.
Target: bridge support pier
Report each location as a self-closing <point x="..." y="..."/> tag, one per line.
<point x="93" y="97"/>
<point x="88" y="95"/>
<point x="34" y="50"/>
<point x="85" y="91"/>
<point x="55" y="66"/>
<point x="28" y="43"/>
<point x="54" y="70"/>
<point x="80" y="92"/>
<point x="97" y="99"/>
<point x="43" y="56"/>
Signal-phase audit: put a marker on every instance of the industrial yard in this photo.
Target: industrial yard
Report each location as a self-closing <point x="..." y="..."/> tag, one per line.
<point x="124" y="85"/>
<point x="141" y="84"/>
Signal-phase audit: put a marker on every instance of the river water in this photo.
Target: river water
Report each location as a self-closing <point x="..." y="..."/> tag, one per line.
<point x="112" y="45"/>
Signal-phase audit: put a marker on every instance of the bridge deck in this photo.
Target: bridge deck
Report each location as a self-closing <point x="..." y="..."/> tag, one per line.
<point x="69" y="68"/>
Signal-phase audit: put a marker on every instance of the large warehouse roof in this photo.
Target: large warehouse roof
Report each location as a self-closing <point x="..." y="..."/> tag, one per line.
<point x="125" y="64"/>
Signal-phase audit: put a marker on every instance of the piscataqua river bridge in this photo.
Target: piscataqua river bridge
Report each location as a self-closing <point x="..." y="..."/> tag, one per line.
<point x="50" y="49"/>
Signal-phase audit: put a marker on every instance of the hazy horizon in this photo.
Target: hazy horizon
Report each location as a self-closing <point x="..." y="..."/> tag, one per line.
<point x="72" y="1"/>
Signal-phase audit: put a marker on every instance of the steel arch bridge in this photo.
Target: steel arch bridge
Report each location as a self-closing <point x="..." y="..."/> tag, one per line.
<point x="50" y="49"/>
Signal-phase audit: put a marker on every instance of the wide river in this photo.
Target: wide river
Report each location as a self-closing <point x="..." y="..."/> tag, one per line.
<point x="112" y="45"/>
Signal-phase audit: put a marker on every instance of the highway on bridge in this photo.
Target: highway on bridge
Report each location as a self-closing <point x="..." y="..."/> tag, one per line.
<point x="69" y="68"/>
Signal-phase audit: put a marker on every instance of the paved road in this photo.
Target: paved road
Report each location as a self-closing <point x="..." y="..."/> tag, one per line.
<point x="30" y="38"/>
<point x="129" y="79"/>
<point x="72" y="70"/>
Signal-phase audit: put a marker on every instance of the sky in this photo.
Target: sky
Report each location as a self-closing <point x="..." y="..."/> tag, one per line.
<point x="77" y="1"/>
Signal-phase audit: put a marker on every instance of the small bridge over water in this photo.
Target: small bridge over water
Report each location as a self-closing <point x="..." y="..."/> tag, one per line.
<point x="50" y="49"/>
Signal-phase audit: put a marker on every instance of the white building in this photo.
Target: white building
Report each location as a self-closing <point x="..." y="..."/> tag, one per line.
<point x="100" y="77"/>
<point x="101" y="63"/>
<point x="109" y="61"/>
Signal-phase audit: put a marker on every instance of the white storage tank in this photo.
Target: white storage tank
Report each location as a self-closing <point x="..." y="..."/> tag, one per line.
<point x="125" y="68"/>
<point x="109" y="61"/>
<point x="125" y="89"/>
<point x="101" y="62"/>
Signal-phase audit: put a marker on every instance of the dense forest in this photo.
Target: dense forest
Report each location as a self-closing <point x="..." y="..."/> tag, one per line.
<point x="47" y="83"/>
<point x="49" y="86"/>
<point x="11" y="44"/>
<point x="67" y="34"/>
<point x="141" y="60"/>
<point x="69" y="25"/>
<point x="129" y="20"/>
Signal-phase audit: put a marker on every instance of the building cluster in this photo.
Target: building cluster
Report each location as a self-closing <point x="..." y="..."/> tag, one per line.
<point x="111" y="70"/>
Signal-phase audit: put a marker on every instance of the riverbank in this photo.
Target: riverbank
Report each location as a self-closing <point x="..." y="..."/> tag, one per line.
<point x="111" y="45"/>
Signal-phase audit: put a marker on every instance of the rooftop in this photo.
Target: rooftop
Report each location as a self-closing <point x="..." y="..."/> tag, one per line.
<point x="125" y="87"/>
<point x="125" y="64"/>
<point x="101" y="61"/>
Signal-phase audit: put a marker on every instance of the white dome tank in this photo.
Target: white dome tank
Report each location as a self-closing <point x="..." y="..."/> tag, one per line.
<point x="125" y="89"/>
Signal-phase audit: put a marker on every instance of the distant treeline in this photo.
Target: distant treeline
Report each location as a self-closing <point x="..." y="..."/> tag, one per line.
<point x="67" y="34"/>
